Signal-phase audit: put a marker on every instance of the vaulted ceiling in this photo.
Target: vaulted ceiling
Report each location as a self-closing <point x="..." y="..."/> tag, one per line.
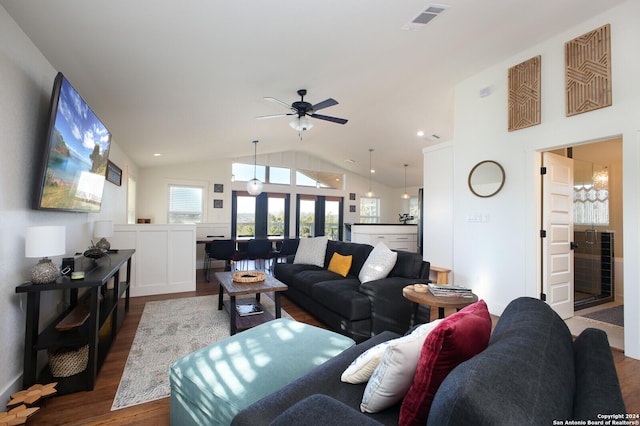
<point x="187" y="78"/>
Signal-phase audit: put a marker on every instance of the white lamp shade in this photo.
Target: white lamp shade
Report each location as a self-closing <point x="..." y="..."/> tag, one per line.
<point x="102" y="228"/>
<point x="254" y="187"/>
<point x="45" y="241"/>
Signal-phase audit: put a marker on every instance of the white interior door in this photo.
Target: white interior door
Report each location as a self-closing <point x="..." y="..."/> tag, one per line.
<point x="557" y="221"/>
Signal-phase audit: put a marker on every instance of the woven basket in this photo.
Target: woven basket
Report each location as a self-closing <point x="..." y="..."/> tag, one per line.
<point x="248" y="277"/>
<point x="65" y="363"/>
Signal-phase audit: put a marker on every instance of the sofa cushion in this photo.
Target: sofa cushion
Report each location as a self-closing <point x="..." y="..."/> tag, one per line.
<point x="287" y="272"/>
<point x="340" y="264"/>
<point x="342" y="296"/>
<point x="408" y="265"/>
<point x="456" y="339"/>
<point x="392" y="378"/>
<point x="360" y="252"/>
<point x="322" y="410"/>
<point x="379" y="263"/>
<point x="595" y="376"/>
<point x="305" y="280"/>
<point x="311" y="251"/>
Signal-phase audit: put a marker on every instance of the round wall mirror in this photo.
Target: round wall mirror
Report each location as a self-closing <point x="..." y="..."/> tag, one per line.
<point x="486" y="178"/>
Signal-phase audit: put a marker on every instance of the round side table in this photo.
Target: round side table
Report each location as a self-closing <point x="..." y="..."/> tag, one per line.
<point x="440" y="302"/>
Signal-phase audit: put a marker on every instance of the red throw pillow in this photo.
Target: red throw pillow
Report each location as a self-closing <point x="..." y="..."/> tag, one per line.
<point x="456" y="339"/>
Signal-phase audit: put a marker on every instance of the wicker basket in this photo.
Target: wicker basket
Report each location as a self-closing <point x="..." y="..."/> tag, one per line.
<point x="67" y="362"/>
<point x="248" y="277"/>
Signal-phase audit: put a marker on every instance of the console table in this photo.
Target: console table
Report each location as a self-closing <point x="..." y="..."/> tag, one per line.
<point x="107" y="308"/>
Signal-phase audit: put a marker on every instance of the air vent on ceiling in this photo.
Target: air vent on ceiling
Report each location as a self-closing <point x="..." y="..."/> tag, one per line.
<point x="425" y="17"/>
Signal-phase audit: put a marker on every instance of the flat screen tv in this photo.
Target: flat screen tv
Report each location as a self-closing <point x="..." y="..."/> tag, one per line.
<point x="75" y="154"/>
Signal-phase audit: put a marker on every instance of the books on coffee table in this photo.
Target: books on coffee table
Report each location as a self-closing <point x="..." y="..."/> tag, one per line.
<point x="450" y="290"/>
<point x="251" y="309"/>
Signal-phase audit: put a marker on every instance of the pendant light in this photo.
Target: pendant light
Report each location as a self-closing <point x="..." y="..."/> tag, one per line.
<point x="254" y="186"/>
<point x="405" y="196"/>
<point x="371" y="171"/>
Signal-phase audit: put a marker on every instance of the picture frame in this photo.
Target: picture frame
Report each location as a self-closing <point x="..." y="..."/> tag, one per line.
<point x="352" y="196"/>
<point x="114" y="173"/>
<point x="218" y="187"/>
<point x="217" y="204"/>
<point x="352" y="208"/>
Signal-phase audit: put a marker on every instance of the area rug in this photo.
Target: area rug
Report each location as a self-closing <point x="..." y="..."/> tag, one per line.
<point x="614" y="315"/>
<point x="168" y="330"/>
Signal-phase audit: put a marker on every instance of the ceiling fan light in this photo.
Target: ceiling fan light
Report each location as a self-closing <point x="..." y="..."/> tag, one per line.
<point x="301" y="124"/>
<point x="254" y="187"/>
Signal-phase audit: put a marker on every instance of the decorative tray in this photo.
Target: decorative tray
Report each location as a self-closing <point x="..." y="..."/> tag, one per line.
<point x="248" y="277"/>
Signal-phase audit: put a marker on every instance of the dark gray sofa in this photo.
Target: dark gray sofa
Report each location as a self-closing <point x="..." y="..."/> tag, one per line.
<point x="345" y="304"/>
<point x="532" y="372"/>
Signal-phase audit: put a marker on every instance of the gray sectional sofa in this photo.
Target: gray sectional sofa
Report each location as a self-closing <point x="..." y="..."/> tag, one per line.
<point x="531" y="373"/>
<point x="345" y="304"/>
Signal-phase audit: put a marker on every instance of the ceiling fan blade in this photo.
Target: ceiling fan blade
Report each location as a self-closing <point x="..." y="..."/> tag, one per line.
<point x="324" y="104"/>
<point x="279" y="102"/>
<point x="329" y="118"/>
<point x="263" y="117"/>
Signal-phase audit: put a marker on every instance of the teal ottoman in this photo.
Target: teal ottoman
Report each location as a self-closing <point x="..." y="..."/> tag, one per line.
<point x="210" y="385"/>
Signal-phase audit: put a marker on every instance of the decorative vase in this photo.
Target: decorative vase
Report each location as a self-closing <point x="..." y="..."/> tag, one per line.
<point x="45" y="272"/>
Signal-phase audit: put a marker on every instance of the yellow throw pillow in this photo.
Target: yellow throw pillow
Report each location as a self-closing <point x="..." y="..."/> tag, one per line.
<point x="340" y="264"/>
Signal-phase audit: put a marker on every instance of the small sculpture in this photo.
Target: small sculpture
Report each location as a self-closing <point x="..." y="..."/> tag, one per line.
<point x="404" y="218"/>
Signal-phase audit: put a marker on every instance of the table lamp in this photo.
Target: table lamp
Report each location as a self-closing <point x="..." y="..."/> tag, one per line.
<point x="45" y="241"/>
<point x="103" y="229"/>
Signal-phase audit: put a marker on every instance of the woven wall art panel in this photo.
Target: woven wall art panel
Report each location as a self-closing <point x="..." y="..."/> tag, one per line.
<point x="588" y="71"/>
<point x="524" y="94"/>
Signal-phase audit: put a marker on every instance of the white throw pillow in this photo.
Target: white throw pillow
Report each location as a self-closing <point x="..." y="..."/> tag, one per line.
<point x="380" y="262"/>
<point x="311" y="251"/>
<point x="392" y="378"/>
<point x="361" y="369"/>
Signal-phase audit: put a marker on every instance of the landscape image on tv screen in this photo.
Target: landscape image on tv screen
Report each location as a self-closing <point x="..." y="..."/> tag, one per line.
<point x="76" y="155"/>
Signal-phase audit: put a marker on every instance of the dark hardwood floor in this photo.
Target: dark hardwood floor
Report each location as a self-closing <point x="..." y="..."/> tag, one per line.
<point x="94" y="407"/>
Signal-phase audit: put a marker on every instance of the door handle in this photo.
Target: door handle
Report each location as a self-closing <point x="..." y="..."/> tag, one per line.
<point x="573" y="245"/>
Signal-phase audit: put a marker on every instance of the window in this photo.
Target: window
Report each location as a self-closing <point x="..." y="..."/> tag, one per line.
<point x="279" y="175"/>
<point x="332" y="219"/>
<point x="369" y="210"/>
<point x="266" y="174"/>
<point x="319" y="179"/>
<point x="590" y="206"/>
<point x="245" y="215"/>
<point x="265" y="215"/>
<point x="244" y="172"/>
<point x="275" y="216"/>
<point x="307" y="218"/>
<point x="319" y="215"/>
<point x="185" y="204"/>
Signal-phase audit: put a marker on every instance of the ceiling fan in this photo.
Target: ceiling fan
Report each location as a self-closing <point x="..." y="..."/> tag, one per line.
<point x="302" y="110"/>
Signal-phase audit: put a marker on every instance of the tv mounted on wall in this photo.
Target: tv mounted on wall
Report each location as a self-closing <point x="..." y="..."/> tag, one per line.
<point x="76" y="151"/>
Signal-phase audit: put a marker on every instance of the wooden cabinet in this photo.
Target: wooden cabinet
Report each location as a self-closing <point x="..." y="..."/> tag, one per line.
<point x="396" y="237"/>
<point x="107" y="307"/>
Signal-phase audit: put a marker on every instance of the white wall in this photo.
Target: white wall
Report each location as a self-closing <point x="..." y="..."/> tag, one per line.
<point x="153" y="187"/>
<point x="25" y="90"/>
<point x="499" y="258"/>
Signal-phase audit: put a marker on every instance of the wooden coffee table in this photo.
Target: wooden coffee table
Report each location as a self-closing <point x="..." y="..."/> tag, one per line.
<point x="235" y="289"/>
<point x="440" y="302"/>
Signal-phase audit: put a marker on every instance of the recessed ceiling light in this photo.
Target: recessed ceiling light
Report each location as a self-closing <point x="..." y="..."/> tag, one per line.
<point x="157" y="154"/>
<point x="420" y="133"/>
<point x="350" y="161"/>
